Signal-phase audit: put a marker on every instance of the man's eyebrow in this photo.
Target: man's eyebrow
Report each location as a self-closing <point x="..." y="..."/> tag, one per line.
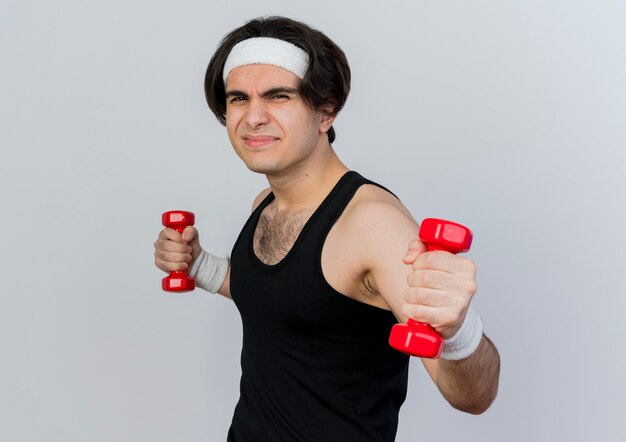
<point x="236" y="93"/>
<point x="279" y="90"/>
<point x="267" y="93"/>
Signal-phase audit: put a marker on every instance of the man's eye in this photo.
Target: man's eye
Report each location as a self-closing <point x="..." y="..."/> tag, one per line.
<point x="236" y="99"/>
<point x="280" y="97"/>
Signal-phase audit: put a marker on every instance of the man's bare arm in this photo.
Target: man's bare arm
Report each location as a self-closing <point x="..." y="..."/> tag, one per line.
<point x="469" y="384"/>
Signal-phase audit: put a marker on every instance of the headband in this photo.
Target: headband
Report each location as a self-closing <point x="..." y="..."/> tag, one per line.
<point x="264" y="50"/>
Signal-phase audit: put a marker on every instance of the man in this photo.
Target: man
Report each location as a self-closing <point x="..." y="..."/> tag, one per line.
<point x="327" y="262"/>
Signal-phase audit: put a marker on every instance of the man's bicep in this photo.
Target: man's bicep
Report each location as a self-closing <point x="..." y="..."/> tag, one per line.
<point x="389" y="234"/>
<point x="390" y="274"/>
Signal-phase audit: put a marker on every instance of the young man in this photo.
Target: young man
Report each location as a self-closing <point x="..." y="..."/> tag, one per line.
<point x="328" y="261"/>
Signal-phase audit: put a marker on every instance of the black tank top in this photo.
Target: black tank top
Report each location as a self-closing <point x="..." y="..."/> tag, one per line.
<point x="316" y="365"/>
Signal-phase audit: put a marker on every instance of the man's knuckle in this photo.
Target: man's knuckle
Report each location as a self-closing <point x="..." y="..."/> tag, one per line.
<point x="473" y="268"/>
<point x="472" y="287"/>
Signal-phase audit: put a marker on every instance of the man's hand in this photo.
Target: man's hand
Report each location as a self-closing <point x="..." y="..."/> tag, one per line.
<point x="441" y="287"/>
<point x="173" y="251"/>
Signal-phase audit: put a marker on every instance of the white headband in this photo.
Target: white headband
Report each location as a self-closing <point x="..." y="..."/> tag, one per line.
<point x="264" y="50"/>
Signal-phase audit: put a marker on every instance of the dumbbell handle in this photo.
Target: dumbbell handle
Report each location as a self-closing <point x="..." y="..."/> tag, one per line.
<point x="417" y="338"/>
<point x="178" y="281"/>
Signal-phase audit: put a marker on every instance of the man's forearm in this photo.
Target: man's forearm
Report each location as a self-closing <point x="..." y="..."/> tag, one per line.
<point x="471" y="384"/>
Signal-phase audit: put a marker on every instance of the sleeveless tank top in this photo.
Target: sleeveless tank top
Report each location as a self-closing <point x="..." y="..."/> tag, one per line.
<point x="316" y="365"/>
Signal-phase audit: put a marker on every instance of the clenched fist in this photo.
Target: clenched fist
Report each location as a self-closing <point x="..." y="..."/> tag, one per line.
<point x="440" y="288"/>
<point x="173" y="251"/>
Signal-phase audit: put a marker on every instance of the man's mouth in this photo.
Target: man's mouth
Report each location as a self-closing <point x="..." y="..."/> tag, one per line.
<point x="259" y="140"/>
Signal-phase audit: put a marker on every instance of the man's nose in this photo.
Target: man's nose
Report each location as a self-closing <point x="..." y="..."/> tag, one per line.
<point x="256" y="113"/>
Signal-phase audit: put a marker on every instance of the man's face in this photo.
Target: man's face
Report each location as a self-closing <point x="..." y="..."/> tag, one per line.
<point x="269" y="125"/>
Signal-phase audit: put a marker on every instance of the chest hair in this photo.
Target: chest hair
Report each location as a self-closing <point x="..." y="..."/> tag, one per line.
<point x="276" y="232"/>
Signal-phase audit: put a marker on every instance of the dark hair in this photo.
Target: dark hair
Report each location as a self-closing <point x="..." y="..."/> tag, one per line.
<point x="325" y="85"/>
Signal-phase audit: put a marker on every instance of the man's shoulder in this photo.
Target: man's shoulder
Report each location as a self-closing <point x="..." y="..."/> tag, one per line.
<point x="377" y="228"/>
<point x="373" y="204"/>
<point x="375" y="220"/>
<point x="260" y="197"/>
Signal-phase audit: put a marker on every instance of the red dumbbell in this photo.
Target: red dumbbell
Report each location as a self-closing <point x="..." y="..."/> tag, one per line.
<point x="417" y="338"/>
<point x="178" y="281"/>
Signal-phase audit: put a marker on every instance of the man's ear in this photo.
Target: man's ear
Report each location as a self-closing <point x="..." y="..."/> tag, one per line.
<point x="327" y="119"/>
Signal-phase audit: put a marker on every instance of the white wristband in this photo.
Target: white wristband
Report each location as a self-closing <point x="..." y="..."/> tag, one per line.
<point x="466" y="340"/>
<point x="209" y="271"/>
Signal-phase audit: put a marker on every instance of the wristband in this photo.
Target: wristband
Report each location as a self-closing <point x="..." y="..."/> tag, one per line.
<point x="466" y="340"/>
<point x="209" y="271"/>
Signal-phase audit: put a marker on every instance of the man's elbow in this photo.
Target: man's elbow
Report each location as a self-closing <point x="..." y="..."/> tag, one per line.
<point x="477" y="404"/>
<point x="475" y="408"/>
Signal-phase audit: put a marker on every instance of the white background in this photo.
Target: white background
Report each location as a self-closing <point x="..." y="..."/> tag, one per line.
<point x="507" y="116"/>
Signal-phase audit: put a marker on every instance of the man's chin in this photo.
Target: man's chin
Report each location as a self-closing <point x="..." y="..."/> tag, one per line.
<point x="260" y="168"/>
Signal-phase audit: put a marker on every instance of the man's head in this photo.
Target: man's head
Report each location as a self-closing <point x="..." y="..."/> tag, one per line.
<point x="325" y="79"/>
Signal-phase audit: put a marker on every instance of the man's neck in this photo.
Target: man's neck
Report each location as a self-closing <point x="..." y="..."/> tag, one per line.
<point x="306" y="186"/>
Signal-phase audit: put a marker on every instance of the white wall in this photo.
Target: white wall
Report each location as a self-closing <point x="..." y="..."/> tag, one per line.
<point x="507" y="116"/>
